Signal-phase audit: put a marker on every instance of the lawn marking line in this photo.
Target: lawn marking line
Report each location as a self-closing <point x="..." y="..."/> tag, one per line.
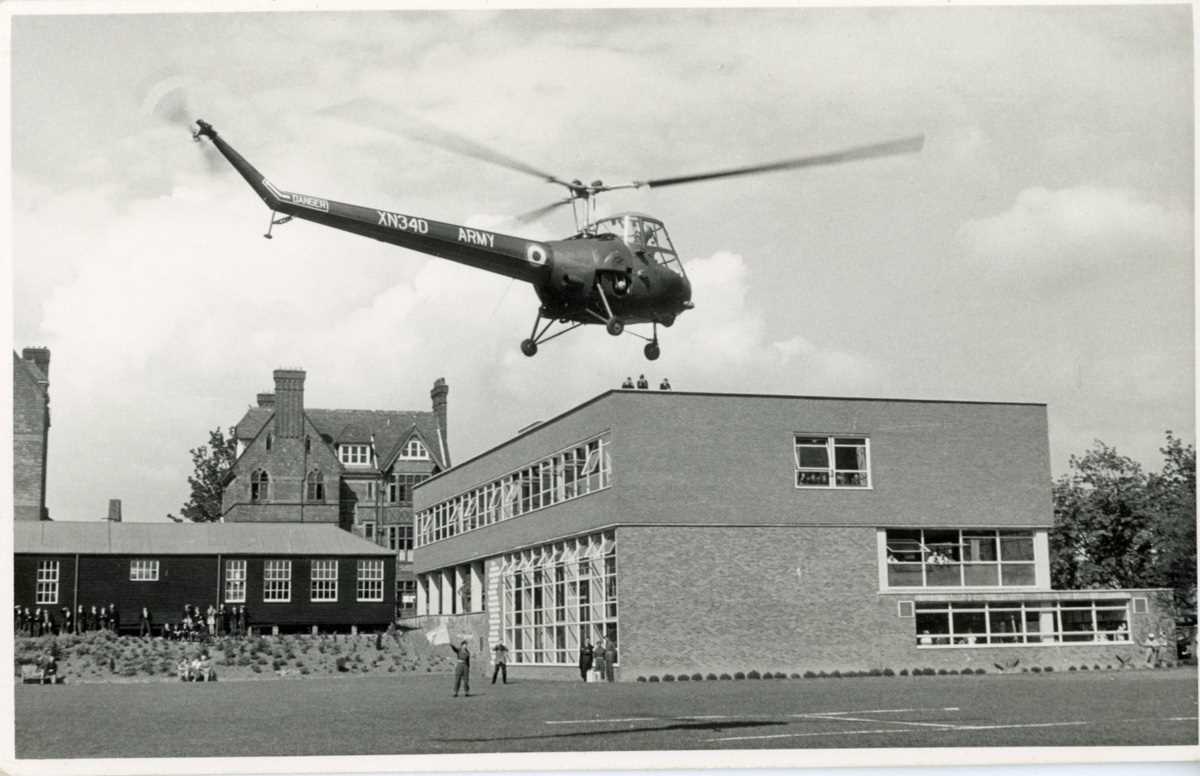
<point x="843" y="718"/>
<point x="1030" y="725"/>
<point x="875" y="711"/>
<point x="587" y="721"/>
<point x="799" y="735"/>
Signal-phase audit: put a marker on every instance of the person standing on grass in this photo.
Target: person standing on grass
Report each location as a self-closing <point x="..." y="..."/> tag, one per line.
<point x="501" y="660"/>
<point x="585" y="660"/>
<point x="462" y="671"/>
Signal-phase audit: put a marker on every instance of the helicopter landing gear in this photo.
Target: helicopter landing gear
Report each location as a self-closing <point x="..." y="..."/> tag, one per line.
<point x="614" y="327"/>
<point x="274" y="222"/>
<point x="537" y="336"/>
<point x="652" y="351"/>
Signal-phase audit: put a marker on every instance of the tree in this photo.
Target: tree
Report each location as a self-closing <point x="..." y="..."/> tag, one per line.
<point x="1116" y="526"/>
<point x="211" y="463"/>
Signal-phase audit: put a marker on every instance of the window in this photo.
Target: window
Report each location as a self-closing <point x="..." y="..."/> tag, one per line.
<point x="368" y="531"/>
<point x="324" y="580"/>
<point x="235" y="581"/>
<point x="832" y="462"/>
<point x="277" y="581"/>
<point x="370" y="580"/>
<point x="46" y="589"/>
<point x="558" y="597"/>
<point x="415" y="450"/>
<point x="355" y="455"/>
<point x="372" y="491"/>
<point x="577" y="471"/>
<point x="1055" y="621"/>
<point x="315" y="486"/>
<point x="406" y="594"/>
<point x="260" y="486"/>
<point x="400" y="541"/>
<point x="268" y="442"/>
<point x="143" y="571"/>
<point x="400" y="489"/>
<point x="953" y="558"/>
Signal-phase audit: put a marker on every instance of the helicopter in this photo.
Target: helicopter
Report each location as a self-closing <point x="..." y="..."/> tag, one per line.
<point x="617" y="270"/>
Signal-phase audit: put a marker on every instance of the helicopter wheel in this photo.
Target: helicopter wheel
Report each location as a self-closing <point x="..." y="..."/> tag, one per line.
<point x="529" y="347"/>
<point x="614" y="327"/>
<point x="651" y="350"/>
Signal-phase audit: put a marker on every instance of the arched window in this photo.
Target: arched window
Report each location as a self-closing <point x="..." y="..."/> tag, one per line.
<point x="414" y="449"/>
<point x="315" y="486"/>
<point x="260" y="486"/>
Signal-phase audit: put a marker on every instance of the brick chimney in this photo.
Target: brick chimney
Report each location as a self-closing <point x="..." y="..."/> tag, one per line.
<point x="438" y="395"/>
<point x="114" y="510"/>
<point x="289" y="403"/>
<point x="39" y="356"/>
<point x="266" y="400"/>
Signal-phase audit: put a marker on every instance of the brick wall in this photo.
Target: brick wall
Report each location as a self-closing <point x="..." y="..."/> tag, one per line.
<point x="287" y="463"/>
<point x="792" y="600"/>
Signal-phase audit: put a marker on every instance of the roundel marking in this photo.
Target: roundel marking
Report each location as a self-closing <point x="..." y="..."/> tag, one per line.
<point x="536" y="255"/>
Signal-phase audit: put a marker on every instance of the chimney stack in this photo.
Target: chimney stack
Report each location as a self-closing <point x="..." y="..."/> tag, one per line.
<point x="289" y="403"/>
<point x="40" y="357"/>
<point x="114" y="510"/>
<point x="266" y="400"/>
<point x="438" y="395"/>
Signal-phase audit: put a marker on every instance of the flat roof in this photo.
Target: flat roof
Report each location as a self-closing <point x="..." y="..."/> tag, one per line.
<point x="109" y="538"/>
<point x="672" y="393"/>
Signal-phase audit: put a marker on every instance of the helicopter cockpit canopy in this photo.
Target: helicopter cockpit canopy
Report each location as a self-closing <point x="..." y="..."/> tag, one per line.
<point x="645" y="235"/>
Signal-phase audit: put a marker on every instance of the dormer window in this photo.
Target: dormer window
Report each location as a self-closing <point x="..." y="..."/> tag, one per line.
<point x="355" y="455"/>
<point x="415" y="450"/>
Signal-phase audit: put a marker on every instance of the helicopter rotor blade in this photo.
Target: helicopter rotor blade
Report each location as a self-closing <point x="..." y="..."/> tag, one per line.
<point x="905" y="145"/>
<point x="533" y="215"/>
<point x="370" y="113"/>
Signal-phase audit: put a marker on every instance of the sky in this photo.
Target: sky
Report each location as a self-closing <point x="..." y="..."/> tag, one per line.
<point x="1038" y="249"/>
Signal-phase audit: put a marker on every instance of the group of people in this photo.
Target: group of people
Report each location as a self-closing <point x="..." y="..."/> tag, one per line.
<point x="198" y="669"/>
<point x="201" y="625"/>
<point x="644" y="385"/>
<point x="47" y="621"/>
<point x="600" y="658"/>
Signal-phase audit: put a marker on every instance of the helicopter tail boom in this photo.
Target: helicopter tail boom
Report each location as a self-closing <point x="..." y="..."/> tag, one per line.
<point x="502" y="254"/>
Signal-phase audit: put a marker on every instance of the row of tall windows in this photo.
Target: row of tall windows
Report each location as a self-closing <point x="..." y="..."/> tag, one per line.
<point x="323" y="581"/>
<point x="558" y="597"/>
<point x="960" y="558"/>
<point x="577" y="471"/>
<point x="982" y="623"/>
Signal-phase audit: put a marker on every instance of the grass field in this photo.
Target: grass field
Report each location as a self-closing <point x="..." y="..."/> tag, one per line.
<point x="415" y="714"/>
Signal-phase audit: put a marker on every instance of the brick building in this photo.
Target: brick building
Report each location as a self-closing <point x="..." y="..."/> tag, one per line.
<point x="355" y="469"/>
<point x="724" y="533"/>
<point x="31" y="429"/>
<point x="290" y="576"/>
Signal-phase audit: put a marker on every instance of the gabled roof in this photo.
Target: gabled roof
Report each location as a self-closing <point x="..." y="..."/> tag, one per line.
<point x="108" y="538"/>
<point x="389" y="428"/>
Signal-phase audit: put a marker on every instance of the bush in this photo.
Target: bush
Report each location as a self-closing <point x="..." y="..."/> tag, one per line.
<point x="726" y="677"/>
<point x="822" y="675"/>
<point x="277" y="664"/>
<point x="653" y="677"/>
<point x="304" y="670"/>
<point x="343" y="664"/>
<point x="668" y="677"/>
<point x="641" y="679"/>
<point x="684" y="678"/>
<point x="780" y="675"/>
<point x="1095" y="668"/>
<point x="699" y="677"/>
<point x="980" y="671"/>
<point x="1049" y="669"/>
<point x="255" y="668"/>
<point x="888" y="672"/>
<point x="1084" y="668"/>
<point x="794" y="676"/>
<point x="874" y="672"/>
<point x="942" y="672"/>
<point x="754" y="675"/>
<point x="810" y="675"/>
<point x="1070" y="668"/>
<point x="739" y="675"/>
<point x="709" y="677"/>
<point x="836" y="673"/>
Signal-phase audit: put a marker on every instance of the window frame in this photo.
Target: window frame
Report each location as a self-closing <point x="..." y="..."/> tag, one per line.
<point x="414" y="450"/>
<point x="274" y="582"/>
<point x="314" y="485"/>
<point x="366" y="583"/>
<point x="260" y="486"/>
<point x="832" y="443"/>
<point x="954" y="554"/>
<point x="47" y="580"/>
<point x="235" y="580"/>
<point x="355" y="454"/>
<point x="1019" y="612"/>
<point x="323" y="580"/>
<point x="143" y="570"/>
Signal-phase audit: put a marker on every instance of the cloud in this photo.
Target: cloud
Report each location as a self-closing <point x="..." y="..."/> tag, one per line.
<point x="1078" y="231"/>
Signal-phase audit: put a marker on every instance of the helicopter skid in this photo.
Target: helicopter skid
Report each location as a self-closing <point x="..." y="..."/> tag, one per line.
<point x="540" y="334"/>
